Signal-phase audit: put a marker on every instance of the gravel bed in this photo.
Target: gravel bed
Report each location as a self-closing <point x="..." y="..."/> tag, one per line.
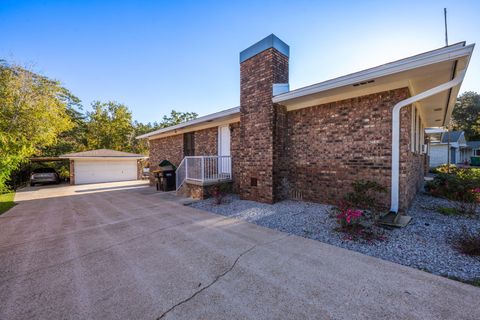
<point x="425" y="244"/>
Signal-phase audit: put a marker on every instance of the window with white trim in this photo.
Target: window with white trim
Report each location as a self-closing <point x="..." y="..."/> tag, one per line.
<point x="477" y="153"/>
<point x="417" y="132"/>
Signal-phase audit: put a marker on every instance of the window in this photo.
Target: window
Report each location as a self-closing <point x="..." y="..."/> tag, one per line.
<point x="188" y="144"/>
<point x="477" y="153"/>
<point x="417" y="131"/>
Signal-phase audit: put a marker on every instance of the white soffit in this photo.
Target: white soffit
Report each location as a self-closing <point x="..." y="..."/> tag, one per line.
<point x="402" y="73"/>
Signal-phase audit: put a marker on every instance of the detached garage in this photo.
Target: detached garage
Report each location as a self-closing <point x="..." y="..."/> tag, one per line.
<point x="103" y="165"/>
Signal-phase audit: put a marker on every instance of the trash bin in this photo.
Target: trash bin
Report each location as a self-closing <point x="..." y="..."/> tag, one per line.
<point x="165" y="176"/>
<point x="475" y="161"/>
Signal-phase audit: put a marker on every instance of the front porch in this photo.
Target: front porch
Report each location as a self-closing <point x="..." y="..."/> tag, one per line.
<point x="197" y="176"/>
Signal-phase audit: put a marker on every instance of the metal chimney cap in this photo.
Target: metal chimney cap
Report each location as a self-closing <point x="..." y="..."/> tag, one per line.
<point x="271" y="41"/>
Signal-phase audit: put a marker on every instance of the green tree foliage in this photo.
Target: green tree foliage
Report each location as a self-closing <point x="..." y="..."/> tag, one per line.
<point x="466" y="115"/>
<point x="109" y="126"/>
<point x="33" y="113"/>
<point x="39" y="117"/>
<point x="72" y="140"/>
<point x="176" y="118"/>
<point x="141" y="145"/>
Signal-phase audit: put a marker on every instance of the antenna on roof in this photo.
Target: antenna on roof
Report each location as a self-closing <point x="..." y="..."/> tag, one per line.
<point x="446" y="30"/>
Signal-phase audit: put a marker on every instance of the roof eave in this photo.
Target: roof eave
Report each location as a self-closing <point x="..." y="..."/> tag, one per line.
<point x="440" y="55"/>
<point x="453" y="98"/>
<point x="217" y="116"/>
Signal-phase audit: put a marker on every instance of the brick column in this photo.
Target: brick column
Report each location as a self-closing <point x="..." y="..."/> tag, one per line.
<point x="261" y="65"/>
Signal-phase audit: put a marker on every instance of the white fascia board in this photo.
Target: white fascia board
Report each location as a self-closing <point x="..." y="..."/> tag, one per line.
<point x="452" y="52"/>
<point x="208" y="118"/>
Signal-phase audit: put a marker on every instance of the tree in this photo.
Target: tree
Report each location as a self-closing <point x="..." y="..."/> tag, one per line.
<point x="109" y="126"/>
<point x="466" y="115"/>
<point x="141" y="145"/>
<point x="176" y="118"/>
<point x="33" y="113"/>
<point x="72" y="140"/>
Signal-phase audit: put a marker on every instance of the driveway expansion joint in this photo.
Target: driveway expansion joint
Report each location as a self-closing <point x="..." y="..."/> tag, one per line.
<point x="218" y="277"/>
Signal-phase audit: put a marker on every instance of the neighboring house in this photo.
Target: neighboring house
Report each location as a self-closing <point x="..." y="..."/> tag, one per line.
<point x="312" y="143"/>
<point x="103" y="165"/>
<point x="473" y="149"/>
<point x="439" y="152"/>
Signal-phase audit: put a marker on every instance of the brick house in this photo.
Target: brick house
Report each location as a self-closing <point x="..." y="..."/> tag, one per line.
<point x="313" y="142"/>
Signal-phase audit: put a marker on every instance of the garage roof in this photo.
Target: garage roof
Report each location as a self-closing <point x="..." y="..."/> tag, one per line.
<point x="102" y="153"/>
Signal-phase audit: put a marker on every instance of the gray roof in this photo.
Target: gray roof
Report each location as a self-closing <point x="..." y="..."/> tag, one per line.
<point x="473" y="144"/>
<point x="454" y="136"/>
<point x="102" y="153"/>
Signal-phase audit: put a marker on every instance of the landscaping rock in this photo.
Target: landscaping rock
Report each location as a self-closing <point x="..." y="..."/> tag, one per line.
<point x="425" y="244"/>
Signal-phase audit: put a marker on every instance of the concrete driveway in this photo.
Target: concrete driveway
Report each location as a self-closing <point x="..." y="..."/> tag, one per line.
<point x="123" y="251"/>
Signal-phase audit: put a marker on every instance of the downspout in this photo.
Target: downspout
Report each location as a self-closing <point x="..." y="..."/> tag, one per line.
<point x="395" y="183"/>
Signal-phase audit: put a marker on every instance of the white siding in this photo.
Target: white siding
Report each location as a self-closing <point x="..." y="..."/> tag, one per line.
<point x="438" y="155"/>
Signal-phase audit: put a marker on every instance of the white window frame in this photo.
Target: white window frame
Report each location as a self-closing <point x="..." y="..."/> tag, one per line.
<point x="417" y="131"/>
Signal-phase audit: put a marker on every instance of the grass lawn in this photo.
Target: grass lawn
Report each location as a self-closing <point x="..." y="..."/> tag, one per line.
<point x="6" y="201"/>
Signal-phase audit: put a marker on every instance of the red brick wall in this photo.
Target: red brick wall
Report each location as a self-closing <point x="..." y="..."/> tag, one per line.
<point x="329" y="146"/>
<point x="412" y="165"/>
<point x="169" y="148"/>
<point x="206" y="142"/>
<point x="257" y="122"/>
<point x="235" y="152"/>
<point x="280" y="155"/>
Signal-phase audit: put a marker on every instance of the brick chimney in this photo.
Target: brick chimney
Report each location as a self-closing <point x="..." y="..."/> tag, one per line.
<point x="261" y="122"/>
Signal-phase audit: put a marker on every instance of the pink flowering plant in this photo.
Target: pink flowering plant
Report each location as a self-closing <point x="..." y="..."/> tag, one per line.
<point x="358" y="212"/>
<point x="348" y="215"/>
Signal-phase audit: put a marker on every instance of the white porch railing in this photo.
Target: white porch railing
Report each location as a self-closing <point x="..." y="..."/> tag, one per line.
<point x="204" y="169"/>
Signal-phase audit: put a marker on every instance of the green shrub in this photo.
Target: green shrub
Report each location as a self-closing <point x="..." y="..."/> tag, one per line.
<point x="366" y="196"/>
<point x="444" y="168"/>
<point x="461" y="185"/>
<point x="448" y="211"/>
<point x="468" y="243"/>
<point x="359" y="211"/>
<point x="219" y="192"/>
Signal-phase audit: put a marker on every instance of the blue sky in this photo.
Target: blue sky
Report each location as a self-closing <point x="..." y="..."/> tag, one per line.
<point x="155" y="56"/>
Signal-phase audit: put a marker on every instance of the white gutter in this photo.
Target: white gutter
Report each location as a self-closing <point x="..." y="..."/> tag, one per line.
<point x="395" y="185"/>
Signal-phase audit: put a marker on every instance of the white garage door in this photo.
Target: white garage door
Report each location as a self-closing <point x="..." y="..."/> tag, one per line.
<point x="104" y="171"/>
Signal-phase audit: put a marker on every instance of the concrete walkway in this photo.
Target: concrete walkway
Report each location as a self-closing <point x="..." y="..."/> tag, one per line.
<point x="123" y="251"/>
